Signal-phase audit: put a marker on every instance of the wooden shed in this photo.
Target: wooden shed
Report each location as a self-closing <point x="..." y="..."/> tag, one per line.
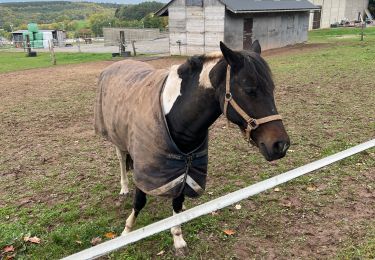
<point x="197" y="26"/>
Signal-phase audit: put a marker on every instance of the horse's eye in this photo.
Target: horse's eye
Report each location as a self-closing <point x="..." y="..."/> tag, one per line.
<point x="251" y="92"/>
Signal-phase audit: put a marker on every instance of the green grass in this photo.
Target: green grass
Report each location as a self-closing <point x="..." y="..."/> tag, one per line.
<point x="340" y="33"/>
<point x="59" y="182"/>
<point x="82" y="24"/>
<point x="13" y="61"/>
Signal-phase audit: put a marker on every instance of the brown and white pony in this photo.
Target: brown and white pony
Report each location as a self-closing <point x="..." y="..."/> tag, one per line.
<point x="193" y="96"/>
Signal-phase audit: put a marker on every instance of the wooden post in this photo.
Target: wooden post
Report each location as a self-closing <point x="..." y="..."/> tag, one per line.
<point x="78" y="45"/>
<point x="122" y="42"/>
<point x="28" y="45"/>
<point x="362" y="30"/>
<point x="135" y="53"/>
<point x="52" y="52"/>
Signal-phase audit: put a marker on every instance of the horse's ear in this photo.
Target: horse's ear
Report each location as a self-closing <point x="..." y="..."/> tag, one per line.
<point x="191" y="64"/>
<point x="233" y="58"/>
<point x="256" y="47"/>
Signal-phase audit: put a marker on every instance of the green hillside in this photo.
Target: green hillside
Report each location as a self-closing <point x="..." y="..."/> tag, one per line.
<point x="50" y="12"/>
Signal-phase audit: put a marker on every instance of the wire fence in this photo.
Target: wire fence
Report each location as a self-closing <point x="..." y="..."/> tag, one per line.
<point x="216" y="204"/>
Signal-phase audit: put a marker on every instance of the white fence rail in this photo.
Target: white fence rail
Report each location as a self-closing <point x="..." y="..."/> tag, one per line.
<point x="213" y="205"/>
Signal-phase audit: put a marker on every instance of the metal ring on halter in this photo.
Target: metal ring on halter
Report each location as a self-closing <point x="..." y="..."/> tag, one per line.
<point x="228" y="96"/>
<point x="252" y="124"/>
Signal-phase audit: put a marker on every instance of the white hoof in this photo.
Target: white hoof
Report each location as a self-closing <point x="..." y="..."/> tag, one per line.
<point x="179" y="242"/>
<point x="124" y="191"/>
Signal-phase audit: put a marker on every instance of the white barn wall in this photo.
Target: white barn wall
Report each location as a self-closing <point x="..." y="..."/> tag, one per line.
<point x="337" y="10"/>
<point x="233" y="35"/>
<point x="280" y="29"/>
<point x="200" y="29"/>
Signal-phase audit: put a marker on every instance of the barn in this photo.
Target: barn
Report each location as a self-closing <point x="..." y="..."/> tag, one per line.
<point x="335" y="11"/>
<point x="197" y="26"/>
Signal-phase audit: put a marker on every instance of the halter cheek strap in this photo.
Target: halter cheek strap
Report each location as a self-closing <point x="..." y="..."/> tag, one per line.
<point x="252" y="123"/>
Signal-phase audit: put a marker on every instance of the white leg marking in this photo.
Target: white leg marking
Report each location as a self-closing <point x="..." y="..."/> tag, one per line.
<point x="178" y="240"/>
<point x="124" y="178"/>
<point x="172" y="89"/>
<point x="130" y="221"/>
<point x="204" y="76"/>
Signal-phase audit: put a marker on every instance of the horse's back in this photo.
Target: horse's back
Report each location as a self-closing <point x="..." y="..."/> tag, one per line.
<point x="123" y="89"/>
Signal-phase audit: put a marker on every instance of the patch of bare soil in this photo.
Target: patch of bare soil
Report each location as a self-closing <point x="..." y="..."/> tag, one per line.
<point x="295" y="49"/>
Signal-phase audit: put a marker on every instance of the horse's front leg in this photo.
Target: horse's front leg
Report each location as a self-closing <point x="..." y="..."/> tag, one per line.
<point x="124" y="178"/>
<point x="179" y="242"/>
<point x="138" y="203"/>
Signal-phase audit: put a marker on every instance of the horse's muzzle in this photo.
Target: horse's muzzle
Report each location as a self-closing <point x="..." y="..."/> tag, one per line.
<point x="275" y="151"/>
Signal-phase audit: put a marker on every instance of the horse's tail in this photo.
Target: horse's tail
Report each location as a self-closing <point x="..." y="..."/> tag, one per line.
<point x="98" y="109"/>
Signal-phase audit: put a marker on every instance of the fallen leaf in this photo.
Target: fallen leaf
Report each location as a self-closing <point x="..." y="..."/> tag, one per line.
<point x="34" y="239"/>
<point x="229" y="232"/>
<point x="210" y="193"/>
<point x="8" y="249"/>
<point x="214" y="213"/>
<point x="95" y="241"/>
<point x="160" y="253"/>
<point x="110" y="235"/>
<point x="79" y="242"/>
<point x="238" y="206"/>
<point x="276" y="189"/>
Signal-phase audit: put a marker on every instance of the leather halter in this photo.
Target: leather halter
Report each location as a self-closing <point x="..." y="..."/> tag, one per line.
<point x="252" y="123"/>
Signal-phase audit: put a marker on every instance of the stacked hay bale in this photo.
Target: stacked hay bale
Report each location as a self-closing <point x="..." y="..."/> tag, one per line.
<point x="36" y="37"/>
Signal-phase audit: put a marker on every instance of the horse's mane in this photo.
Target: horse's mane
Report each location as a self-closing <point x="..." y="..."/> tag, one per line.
<point x="256" y="63"/>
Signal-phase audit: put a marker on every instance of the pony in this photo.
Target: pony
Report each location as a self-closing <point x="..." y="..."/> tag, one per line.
<point x="158" y="121"/>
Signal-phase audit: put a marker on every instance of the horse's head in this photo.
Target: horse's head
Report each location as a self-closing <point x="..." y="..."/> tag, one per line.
<point x="249" y="95"/>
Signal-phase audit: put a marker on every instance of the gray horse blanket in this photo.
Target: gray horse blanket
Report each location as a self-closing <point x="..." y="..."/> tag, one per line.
<point x="128" y="113"/>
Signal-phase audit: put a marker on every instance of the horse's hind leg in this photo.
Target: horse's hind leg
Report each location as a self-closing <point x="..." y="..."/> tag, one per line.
<point x="138" y="203"/>
<point x="124" y="178"/>
<point x="179" y="242"/>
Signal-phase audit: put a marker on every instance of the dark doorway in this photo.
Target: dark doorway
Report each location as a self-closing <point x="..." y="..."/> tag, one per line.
<point x="247" y="33"/>
<point x="316" y="19"/>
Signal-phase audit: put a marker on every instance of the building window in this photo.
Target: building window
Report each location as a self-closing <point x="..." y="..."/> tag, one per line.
<point x="194" y="2"/>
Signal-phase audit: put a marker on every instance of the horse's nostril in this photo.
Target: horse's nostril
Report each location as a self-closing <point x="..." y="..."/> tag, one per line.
<point x="280" y="147"/>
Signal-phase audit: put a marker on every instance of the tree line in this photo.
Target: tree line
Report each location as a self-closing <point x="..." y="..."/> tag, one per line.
<point x="79" y="17"/>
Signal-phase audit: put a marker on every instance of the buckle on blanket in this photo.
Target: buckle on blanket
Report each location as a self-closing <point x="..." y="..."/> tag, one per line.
<point x="175" y="156"/>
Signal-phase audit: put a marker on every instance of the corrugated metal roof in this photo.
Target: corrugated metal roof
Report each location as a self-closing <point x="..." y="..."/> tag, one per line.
<point x="239" y="6"/>
<point x="248" y="6"/>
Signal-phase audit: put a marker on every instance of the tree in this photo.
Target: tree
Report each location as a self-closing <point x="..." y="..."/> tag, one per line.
<point x="7" y="27"/>
<point x="151" y="21"/>
<point x="137" y="12"/>
<point x="100" y="20"/>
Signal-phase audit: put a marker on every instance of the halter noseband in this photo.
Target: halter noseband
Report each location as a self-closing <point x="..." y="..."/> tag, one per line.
<point x="252" y="123"/>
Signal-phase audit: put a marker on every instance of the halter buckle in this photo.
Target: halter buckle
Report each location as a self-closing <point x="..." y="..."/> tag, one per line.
<point x="228" y="96"/>
<point x="252" y="124"/>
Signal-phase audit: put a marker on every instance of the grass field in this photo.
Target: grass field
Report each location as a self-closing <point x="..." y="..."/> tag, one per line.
<point x="335" y="34"/>
<point x="13" y="61"/>
<point x="60" y="182"/>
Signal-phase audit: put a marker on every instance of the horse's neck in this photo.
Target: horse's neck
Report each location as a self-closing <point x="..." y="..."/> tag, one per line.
<point x="191" y="107"/>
